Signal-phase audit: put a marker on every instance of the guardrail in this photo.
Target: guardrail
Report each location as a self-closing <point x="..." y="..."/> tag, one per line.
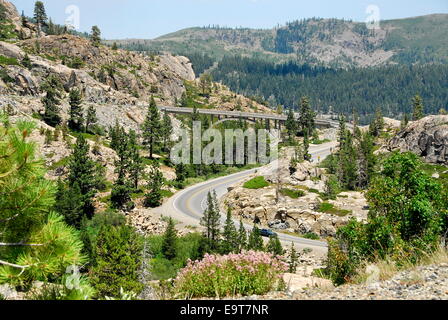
<point x="237" y="114"/>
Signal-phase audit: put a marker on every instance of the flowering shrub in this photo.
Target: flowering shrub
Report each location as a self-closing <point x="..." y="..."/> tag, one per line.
<point x="247" y="273"/>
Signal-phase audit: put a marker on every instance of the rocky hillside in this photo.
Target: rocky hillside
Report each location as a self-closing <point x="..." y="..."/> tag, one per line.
<point x="427" y="138"/>
<point x="291" y="200"/>
<point x="11" y="23"/>
<point x="323" y="41"/>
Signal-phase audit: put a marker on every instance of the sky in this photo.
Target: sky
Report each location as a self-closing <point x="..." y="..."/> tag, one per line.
<point x="148" y="19"/>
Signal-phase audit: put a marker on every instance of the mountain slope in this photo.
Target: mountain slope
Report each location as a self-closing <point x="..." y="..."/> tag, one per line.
<point x="331" y="42"/>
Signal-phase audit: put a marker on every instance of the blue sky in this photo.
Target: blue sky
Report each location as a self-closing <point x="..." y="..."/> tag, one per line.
<point x="120" y="19"/>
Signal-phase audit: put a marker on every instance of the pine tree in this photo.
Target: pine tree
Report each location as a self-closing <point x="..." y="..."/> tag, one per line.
<point x="153" y="197"/>
<point x="366" y="160"/>
<point x="205" y="82"/>
<point x="95" y="36"/>
<point x="36" y="243"/>
<point x="118" y="262"/>
<point x="307" y="117"/>
<point x="40" y="16"/>
<point x="152" y="127"/>
<point x="26" y="62"/>
<point x="91" y="119"/>
<point x="122" y="188"/>
<point x="53" y="88"/>
<point x="342" y="130"/>
<point x="306" y="146"/>
<point x="82" y="173"/>
<point x="293" y="259"/>
<point x="115" y="134"/>
<point x="291" y="125"/>
<point x="170" y="241"/>
<point x="418" y="108"/>
<point x="114" y="46"/>
<point x="70" y="203"/>
<point x="242" y="237"/>
<point x="377" y="125"/>
<point x="255" y="240"/>
<point x="274" y="246"/>
<point x="167" y="131"/>
<point x="135" y="166"/>
<point x="211" y="220"/>
<point x="347" y="158"/>
<point x="230" y="235"/>
<point x="76" y="119"/>
<point x="181" y="172"/>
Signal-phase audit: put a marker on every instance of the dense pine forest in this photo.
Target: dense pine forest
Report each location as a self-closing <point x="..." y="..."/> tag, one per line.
<point x="340" y="91"/>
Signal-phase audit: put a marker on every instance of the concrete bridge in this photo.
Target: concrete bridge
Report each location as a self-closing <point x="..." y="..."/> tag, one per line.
<point x="277" y="119"/>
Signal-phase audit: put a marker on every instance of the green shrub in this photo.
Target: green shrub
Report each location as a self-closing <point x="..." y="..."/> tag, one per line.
<point x="294" y="194"/>
<point x="408" y="216"/>
<point x="256" y="183"/>
<point x="6" y="61"/>
<point x="311" y="235"/>
<point x="326" y="207"/>
<point x="118" y="261"/>
<point x="248" y="273"/>
<point x="5" y="76"/>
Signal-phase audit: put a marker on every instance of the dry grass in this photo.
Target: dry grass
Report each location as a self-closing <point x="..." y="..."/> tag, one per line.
<point x="386" y="269"/>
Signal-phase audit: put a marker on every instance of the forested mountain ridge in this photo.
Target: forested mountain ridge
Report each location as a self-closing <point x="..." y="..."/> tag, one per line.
<point x="329" y="42"/>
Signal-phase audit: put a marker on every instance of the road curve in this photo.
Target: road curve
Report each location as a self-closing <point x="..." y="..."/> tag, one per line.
<point x="188" y="205"/>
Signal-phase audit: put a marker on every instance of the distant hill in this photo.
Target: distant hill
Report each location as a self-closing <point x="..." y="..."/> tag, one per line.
<point x="328" y="42"/>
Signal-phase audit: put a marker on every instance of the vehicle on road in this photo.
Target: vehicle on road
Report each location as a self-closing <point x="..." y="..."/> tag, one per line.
<point x="267" y="233"/>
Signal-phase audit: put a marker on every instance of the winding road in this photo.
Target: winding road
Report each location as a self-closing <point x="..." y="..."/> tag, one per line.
<point x="188" y="205"/>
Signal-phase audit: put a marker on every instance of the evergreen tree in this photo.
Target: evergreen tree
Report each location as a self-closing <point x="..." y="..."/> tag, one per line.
<point x="205" y="83"/>
<point x="114" y="46"/>
<point x="70" y="203"/>
<point x="76" y="113"/>
<point x="82" y="173"/>
<point x="36" y="243"/>
<point x="255" y="240"/>
<point x="115" y="134"/>
<point x="40" y="16"/>
<point x="135" y="166"/>
<point x="307" y="117"/>
<point x="95" y="36"/>
<point x="230" y="235"/>
<point x="347" y="163"/>
<point x="122" y="188"/>
<point x="242" y="237"/>
<point x="342" y="130"/>
<point x="291" y="125"/>
<point x="170" y="241"/>
<point x="377" y="125"/>
<point x="306" y="146"/>
<point x="91" y="119"/>
<point x="152" y="127"/>
<point x="153" y="197"/>
<point x="26" y="61"/>
<point x="211" y="220"/>
<point x="418" y="108"/>
<point x="118" y="262"/>
<point x="274" y="246"/>
<point x="366" y="160"/>
<point x="53" y="89"/>
<point x="181" y="172"/>
<point x="293" y="259"/>
<point x="167" y="131"/>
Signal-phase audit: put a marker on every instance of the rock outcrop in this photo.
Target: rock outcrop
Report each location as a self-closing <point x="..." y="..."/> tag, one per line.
<point x="427" y="138"/>
<point x="13" y="18"/>
<point x="276" y="210"/>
